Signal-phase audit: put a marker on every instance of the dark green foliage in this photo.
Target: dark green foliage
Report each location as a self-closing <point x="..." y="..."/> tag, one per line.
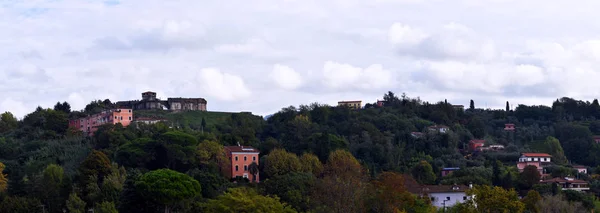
<point x="167" y="187"/>
<point x="293" y="188"/>
<point x="20" y="205"/>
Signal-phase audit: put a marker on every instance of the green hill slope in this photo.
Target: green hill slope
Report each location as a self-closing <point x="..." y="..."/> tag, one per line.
<point x="193" y="119"/>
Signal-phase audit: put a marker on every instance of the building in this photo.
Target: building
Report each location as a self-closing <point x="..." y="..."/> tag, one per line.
<point x="241" y="157"/>
<point x="509" y="127"/>
<point x="438" y="128"/>
<point x="416" y="134"/>
<point x="568" y="183"/>
<point x="539" y="160"/>
<point x="458" y="107"/>
<point x="490" y="148"/>
<point x="597" y="138"/>
<point x="150" y="101"/>
<point x="90" y="124"/>
<point x="351" y="104"/>
<point x="475" y="143"/>
<point x="380" y="103"/>
<point x="580" y="169"/>
<point x="449" y="170"/>
<point x="442" y="196"/>
<point x="149" y="120"/>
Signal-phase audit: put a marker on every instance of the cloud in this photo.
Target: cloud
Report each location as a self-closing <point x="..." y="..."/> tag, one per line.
<point x="346" y="77"/>
<point x="285" y="77"/>
<point x="222" y="86"/>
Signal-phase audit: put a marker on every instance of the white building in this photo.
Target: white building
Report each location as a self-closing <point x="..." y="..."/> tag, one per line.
<point x="441" y="195"/>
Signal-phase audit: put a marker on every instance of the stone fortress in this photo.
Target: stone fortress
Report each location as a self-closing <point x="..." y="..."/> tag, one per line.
<point x="149" y="101"/>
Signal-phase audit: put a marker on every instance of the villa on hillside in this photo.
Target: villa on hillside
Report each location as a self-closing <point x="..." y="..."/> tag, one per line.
<point x="539" y="160"/>
<point x="438" y="128"/>
<point x="442" y="196"/>
<point x="568" y="183"/>
<point x="351" y="104"/>
<point x="241" y="157"/>
<point x="150" y="101"/>
<point x="88" y="125"/>
<point x="475" y="143"/>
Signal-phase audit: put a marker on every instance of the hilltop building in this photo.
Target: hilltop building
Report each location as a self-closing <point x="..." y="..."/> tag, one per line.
<point x="241" y="157"/>
<point x="539" y="160"/>
<point x="351" y="104"/>
<point x="90" y="124"/>
<point x="150" y="101"/>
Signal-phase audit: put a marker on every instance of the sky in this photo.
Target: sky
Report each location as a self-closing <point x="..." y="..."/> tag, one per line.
<point x="264" y="55"/>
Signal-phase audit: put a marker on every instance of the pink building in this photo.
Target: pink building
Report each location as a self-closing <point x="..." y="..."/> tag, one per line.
<point x="90" y="124"/>
<point x="538" y="160"/>
<point x="241" y="157"/>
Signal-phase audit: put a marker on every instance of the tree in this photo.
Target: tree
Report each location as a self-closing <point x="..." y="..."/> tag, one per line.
<point x="75" y="204"/>
<point x="529" y="177"/>
<point x="3" y="179"/>
<point x="494" y="199"/>
<point x="253" y="169"/>
<point x="8" y="122"/>
<point x="293" y="188"/>
<point x="554" y="148"/>
<point x="531" y="201"/>
<point x="310" y="163"/>
<point x="423" y="173"/>
<point x="246" y="200"/>
<point x="106" y="207"/>
<point x="472" y="105"/>
<point x="96" y="164"/>
<point x="391" y="196"/>
<point x="167" y="187"/>
<point x="280" y="162"/>
<point x="210" y="154"/>
<point x="203" y="124"/>
<point x="496" y="169"/>
<point x="20" y="205"/>
<point x="507" y="106"/>
<point x="52" y="183"/>
<point x="558" y="204"/>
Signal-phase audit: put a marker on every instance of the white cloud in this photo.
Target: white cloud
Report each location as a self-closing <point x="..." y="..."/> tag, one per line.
<point x="222" y="86"/>
<point x="285" y="77"/>
<point x="488" y="50"/>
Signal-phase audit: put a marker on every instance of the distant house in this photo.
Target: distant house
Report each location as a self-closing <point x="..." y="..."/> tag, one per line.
<point x="442" y="196"/>
<point x="459" y="107"/>
<point x="568" y="183"/>
<point x="438" y="128"/>
<point x="241" y="157"/>
<point x="509" y="127"/>
<point x="149" y="120"/>
<point x="490" y="148"/>
<point x="539" y="160"/>
<point x="597" y="138"/>
<point x="449" y="170"/>
<point x="416" y="134"/>
<point x="581" y="169"/>
<point x="351" y="104"/>
<point x="90" y="124"/>
<point x="380" y="103"/>
<point x="475" y="143"/>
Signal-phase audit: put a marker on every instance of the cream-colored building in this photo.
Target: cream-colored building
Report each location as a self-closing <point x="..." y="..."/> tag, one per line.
<point x="351" y="104"/>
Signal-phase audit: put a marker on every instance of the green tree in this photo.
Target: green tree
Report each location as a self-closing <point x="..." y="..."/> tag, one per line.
<point x="531" y="201"/>
<point x="203" y="124"/>
<point x="529" y="177"/>
<point x="280" y="162"/>
<point x="293" y="188"/>
<point x="494" y="199"/>
<point x="20" y="205"/>
<point x="3" y="178"/>
<point x="507" y="106"/>
<point x="75" y="204"/>
<point x="167" y="187"/>
<point x="423" y="173"/>
<point x="253" y="169"/>
<point x="8" y="122"/>
<point x="554" y="148"/>
<point x="472" y="105"/>
<point x="497" y="173"/>
<point x="246" y="200"/>
<point x="210" y="154"/>
<point x="52" y="183"/>
<point x="96" y="164"/>
<point x="106" y="207"/>
<point x="310" y="163"/>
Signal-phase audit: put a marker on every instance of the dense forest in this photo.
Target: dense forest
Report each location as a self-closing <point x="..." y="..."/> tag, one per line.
<point x="314" y="158"/>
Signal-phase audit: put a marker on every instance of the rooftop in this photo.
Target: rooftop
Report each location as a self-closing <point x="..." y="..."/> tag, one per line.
<point x="563" y="180"/>
<point x="536" y="154"/>
<point x="241" y="149"/>
<point x="348" y="101"/>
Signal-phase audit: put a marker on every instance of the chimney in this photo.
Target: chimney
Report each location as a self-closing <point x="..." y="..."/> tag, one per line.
<point x="470" y="185"/>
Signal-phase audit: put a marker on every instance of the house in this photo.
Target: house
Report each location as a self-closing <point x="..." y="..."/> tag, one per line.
<point x="509" y="127"/>
<point x="490" y="148"/>
<point x="150" y="101"/>
<point x="496" y="147"/>
<point x="581" y="169"/>
<point x="149" y="120"/>
<point x="88" y="125"/>
<point x="416" y="134"/>
<point x="351" y="104"/>
<point x="380" y="103"/>
<point x="241" y="157"/>
<point x="458" y="107"/>
<point x="438" y="128"/>
<point x="539" y="160"/>
<point x="449" y="170"/>
<point x="442" y="196"/>
<point x="475" y="143"/>
<point x="568" y="183"/>
<point x="597" y="138"/>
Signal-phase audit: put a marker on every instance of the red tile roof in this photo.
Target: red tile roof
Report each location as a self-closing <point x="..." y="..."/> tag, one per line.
<point x="536" y="155"/>
<point x="477" y="141"/>
<point x="241" y="149"/>
<point x="563" y="180"/>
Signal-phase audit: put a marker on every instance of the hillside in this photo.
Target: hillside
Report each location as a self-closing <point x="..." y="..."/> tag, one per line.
<point x="193" y="119"/>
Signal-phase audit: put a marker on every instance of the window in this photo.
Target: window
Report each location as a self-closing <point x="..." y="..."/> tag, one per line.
<point x="236" y="168"/>
<point x="129" y="117"/>
<point x="464" y="197"/>
<point x="129" y="111"/>
<point x="432" y="199"/>
<point x="116" y="117"/>
<point x="121" y="117"/>
<point x="254" y="158"/>
<point x="535" y="159"/>
<point x="245" y="176"/>
<point x="245" y="168"/>
<point x="448" y="198"/>
<point x="236" y="158"/>
<point x="245" y="158"/>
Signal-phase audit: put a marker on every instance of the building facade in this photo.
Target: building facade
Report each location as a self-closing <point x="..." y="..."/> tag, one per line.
<point x="539" y="160"/>
<point x="150" y="101"/>
<point x="351" y="104"/>
<point x="442" y="196"/>
<point x="88" y="125"/>
<point x="568" y="183"/>
<point x="241" y="157"/>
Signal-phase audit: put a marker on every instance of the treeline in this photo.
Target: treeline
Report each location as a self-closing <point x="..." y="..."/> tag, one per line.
<point x="314" y="158"/>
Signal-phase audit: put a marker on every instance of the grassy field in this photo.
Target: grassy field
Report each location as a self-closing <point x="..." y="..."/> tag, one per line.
<point x="191" y="118"/>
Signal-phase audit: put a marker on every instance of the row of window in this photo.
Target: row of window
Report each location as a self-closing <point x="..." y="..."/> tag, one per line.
<point x="253" y="158"/>
<point x="447" y="198"/>
<point x="245" y="168"/>
<point x="534" y="159"/>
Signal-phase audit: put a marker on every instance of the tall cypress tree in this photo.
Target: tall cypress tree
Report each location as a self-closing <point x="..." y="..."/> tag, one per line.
<point x="507" y="106"/>
<point x="472" y="105"/>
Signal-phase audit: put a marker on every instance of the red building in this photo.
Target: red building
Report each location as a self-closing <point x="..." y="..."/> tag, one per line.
<point x="241" y="157"/>
<point x="90" y="124"/>
<point x="597" y="138"/>
<point x="474" y="144"/>
<point x="509" y="127"/>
